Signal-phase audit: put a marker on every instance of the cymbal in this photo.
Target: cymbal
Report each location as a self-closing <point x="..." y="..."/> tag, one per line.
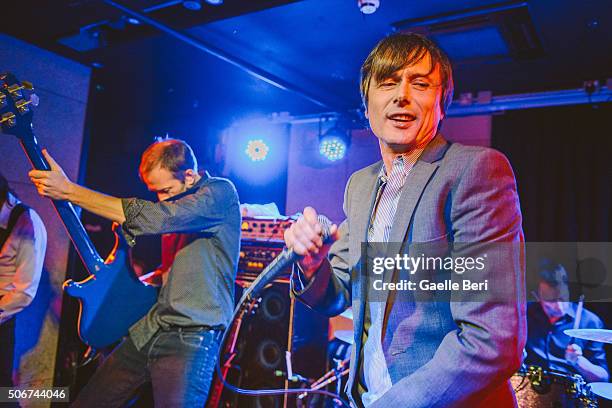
<point x="599" y="335"/>
<point x="602" y="389"/>
<point x="345" y="335"/>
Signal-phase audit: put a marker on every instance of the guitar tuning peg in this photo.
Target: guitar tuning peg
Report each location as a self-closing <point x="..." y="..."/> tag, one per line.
<point x="28" y="85"/>
<point x="34" y="100"/>
<point x="9" y="118"/>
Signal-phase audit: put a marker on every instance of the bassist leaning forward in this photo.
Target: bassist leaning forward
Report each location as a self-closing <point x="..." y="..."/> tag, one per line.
<point x="176" y="344"/>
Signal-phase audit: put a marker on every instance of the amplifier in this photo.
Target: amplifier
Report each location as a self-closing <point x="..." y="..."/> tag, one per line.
<point x="265" y="228"/>
<point x="262" y="241"/>
<point x="254" y="257"/>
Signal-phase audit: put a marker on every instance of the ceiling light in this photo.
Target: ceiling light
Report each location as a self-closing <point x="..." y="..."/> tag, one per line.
<point x="368" y="6"/>
<point x="257" y="150"/>
<point x="333" y="144"/>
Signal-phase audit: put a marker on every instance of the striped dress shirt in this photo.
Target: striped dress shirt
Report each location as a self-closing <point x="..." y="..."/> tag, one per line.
<point x="375" y="372"/>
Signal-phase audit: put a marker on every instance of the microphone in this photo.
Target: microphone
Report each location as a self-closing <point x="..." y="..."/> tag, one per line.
<point x="282" y="261"/>
<point x="271" y="272"/>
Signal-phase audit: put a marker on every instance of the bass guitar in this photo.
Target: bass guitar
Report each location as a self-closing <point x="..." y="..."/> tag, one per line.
<point x="112" y="298"/>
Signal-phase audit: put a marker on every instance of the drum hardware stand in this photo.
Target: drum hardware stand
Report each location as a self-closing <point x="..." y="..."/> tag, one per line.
<point x="541" y="382"/>
<point x="289" y="348"/>
<point x="538" y="382"/>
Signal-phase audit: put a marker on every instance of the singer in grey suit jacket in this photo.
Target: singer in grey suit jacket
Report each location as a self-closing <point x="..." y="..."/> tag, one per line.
<point x="438" y="354"/>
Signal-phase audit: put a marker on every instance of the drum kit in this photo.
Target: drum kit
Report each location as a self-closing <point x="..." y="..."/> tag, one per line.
<point x="598" y="391"/>
<point x="534" y="386"/>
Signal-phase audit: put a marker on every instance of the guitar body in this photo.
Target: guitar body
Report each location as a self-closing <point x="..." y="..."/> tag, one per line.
<point x="112" y="298"/>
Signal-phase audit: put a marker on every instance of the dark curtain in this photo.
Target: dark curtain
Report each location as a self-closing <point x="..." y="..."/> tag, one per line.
<point x="562" y="158"/>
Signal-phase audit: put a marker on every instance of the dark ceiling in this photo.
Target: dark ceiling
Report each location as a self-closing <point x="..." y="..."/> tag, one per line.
<point x="316" y="45"/>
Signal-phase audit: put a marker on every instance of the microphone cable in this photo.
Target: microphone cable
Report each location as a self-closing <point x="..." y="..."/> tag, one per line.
<point x="265" y="277"/>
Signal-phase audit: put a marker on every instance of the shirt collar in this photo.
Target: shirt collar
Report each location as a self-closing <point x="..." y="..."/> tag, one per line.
<point x="204" y="176"/>
<point x="409" y="160"/>
<point x="5" y="212"/>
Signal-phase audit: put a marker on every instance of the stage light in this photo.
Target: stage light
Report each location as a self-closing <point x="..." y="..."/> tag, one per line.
<point x="257" y="150"/>
<point x="333" y="144"/>
<point x="332" y="148"/>
<point x="214" y="2"/>
<point x="255" y="154"/>
<point x="368" y="6"/>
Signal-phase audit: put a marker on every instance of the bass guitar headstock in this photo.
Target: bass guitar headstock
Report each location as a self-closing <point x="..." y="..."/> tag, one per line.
<point x="16" y="102"/>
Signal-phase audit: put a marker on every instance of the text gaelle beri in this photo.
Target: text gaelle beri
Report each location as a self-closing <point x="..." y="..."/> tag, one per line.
<point x="412" y="264"/>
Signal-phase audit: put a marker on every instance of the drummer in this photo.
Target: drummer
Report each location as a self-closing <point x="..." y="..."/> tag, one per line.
<point x="547" y="346"/>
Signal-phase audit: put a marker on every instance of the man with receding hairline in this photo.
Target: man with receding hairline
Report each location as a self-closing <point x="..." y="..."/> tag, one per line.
<point x="175" y="345"/>
<point x="424" y="190"/>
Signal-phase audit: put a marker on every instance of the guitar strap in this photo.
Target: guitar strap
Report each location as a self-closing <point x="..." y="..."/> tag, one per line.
<point x="15" y="213"/>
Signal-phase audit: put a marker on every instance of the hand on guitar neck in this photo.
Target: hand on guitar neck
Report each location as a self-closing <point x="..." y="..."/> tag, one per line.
<point x="55" y="185"/>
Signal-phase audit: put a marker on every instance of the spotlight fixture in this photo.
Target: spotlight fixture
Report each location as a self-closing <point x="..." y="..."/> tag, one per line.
<point x="334" y="143"/>
<point x="257" y="150"/>
<point x="368" y="6"/>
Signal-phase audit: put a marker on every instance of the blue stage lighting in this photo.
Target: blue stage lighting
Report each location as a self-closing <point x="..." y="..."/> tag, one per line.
<point x="257" y="150"/>
<point x="193" y="5"/>
<point x="332" y="148"/>
<point x="333" y="144"/>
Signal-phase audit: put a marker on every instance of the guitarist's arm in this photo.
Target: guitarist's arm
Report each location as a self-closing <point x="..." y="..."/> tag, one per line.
<point x="55" y="185"/>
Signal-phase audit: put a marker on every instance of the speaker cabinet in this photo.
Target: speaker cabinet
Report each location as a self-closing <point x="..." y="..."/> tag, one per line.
<point x="260" y="361"/>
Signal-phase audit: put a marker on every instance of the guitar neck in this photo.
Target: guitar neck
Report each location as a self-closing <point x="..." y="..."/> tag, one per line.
<point x="66" y="211"/>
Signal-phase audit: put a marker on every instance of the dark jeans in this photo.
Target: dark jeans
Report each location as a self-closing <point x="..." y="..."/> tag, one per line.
<point x="7" y="352"/>
<point x="180" y="365"/>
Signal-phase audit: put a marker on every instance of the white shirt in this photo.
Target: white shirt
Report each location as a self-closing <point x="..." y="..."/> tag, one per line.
<point x="375" y="370"/>
<point x="21" y="259"/>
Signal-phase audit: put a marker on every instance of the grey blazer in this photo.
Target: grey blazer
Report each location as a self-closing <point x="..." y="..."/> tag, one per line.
<point x="439" y="354"/>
